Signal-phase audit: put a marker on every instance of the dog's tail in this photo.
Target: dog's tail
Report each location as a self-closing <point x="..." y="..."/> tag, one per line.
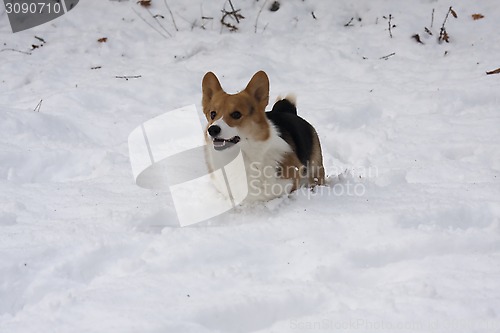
<point x="286" y="105"/>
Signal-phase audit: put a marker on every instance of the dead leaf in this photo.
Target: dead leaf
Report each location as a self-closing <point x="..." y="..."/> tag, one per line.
<point x="446" y="37"/>
<point x="476" y="17"/>
<point x="443" y="36"/>
<point x="428" y="31"/>
<point x="144" y="3"/>
<point x="453" y="13"/>
<point x="417" y="38"/>
<point x="275" y="6"/>
<point x="103" y="40"/>
<point x="496" y="71"/>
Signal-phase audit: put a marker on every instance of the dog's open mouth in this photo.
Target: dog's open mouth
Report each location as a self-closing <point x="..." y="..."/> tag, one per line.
<point x="221" y="144"/>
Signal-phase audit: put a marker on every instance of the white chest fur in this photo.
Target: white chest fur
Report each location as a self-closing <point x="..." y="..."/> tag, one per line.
<point x="261" y="160"/>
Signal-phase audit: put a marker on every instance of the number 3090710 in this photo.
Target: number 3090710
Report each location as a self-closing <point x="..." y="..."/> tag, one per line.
<point x="33" y="8"/>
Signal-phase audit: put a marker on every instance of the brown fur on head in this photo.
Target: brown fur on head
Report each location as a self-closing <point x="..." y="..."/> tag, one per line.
<point x="249" y="103"/>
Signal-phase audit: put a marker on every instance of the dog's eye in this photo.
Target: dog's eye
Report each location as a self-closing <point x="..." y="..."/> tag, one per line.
<point x="236" y="115"/>
<point x="212" y="115"/>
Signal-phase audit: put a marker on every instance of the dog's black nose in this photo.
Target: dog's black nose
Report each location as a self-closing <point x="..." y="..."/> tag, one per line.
<point x="214" y="130"/>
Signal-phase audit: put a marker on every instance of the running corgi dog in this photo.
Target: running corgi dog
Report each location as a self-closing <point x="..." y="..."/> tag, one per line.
<point x="281" y="151"/>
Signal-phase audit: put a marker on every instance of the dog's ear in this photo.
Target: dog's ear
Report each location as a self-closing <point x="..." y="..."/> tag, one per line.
<point x="258" y="88"/>
<point x="209" y="86"/>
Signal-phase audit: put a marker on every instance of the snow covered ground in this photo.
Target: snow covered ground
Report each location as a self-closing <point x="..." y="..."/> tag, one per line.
<point x="408" y="240"/>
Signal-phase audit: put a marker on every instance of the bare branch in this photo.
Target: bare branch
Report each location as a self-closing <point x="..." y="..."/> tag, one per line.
<point x="152" y="27"/>
<point x="155" y="17"/>
<point x="171" y="15"/>
<point x="258" y="15"/>
<point x="443" y="34"/>
<point x="234" y="11"/>
<point x="235" y="14"/>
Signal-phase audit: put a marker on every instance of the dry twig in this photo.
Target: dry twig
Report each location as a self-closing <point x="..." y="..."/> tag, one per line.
<point x="155" y="17"/>
<point x="152" y="27"/>
<point x="348" y="24"/>
<point x="443" y="34"/>
<point x="390" y="25"/>
<point x="14" y="50"/>
<point x="258" y="15"/>
<point x="387" y="56"/>
<point x="234" y="13"/>
<point x="171" y="15"/>
<point x="38" y="106"/>
<point x="127" y="77"/>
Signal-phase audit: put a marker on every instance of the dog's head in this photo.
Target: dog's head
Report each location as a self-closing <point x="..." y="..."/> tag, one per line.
<point x="233" y="118"/>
